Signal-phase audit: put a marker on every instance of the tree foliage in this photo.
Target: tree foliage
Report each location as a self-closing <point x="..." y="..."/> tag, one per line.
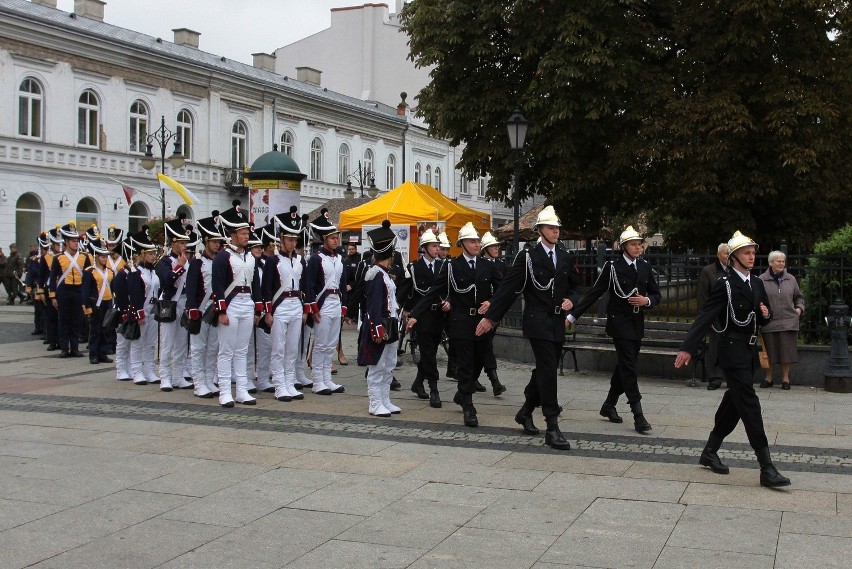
<point x="705" y="116"/>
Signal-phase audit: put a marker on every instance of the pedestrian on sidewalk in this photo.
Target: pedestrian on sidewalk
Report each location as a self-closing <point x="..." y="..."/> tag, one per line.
<point x="66" y="280"/>
<point x="740" y="301"/>
<point x="632" y="290"/>
<point x="709" y="275"/>
<point x="787" y="303"/>
<point x="97" y="299"/>
<point x="546" y="276"/>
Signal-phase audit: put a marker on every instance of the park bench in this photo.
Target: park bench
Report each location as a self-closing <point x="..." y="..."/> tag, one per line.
<point x="661" y="339"/>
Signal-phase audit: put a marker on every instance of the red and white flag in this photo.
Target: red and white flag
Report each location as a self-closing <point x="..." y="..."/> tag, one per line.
<point x="129" y="191"/>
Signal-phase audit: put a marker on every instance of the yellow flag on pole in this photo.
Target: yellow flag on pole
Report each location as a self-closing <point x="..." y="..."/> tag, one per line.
<point x="167" y="183"/>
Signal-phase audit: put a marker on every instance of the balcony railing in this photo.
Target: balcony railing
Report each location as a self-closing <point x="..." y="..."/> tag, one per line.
<point x="235" y="182"/>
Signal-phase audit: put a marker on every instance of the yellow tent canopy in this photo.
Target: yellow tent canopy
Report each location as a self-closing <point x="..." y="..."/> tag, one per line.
<point x="411" y="203"/>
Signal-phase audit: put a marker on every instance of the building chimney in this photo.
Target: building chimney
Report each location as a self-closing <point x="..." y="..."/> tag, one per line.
<point x="92" y="9"/>
<point x="48" y="3"/>
<point x="187" y="37"/>
<point x="402" y="105"/>
<point x="309" y="75"/>
<point x="264" y="61"/>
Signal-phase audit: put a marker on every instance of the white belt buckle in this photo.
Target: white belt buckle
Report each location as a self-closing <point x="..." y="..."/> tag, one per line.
<point x="753" y="340"/>
<point x="635" y="310"/>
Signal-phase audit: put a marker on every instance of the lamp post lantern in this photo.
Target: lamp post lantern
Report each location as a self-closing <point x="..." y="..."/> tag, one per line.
<point x="517" y="126"/>
<point x="362" y="176"/>
<point x="162" y="136"/>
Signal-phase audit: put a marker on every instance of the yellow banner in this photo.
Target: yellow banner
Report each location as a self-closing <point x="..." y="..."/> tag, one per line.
<point x="275" y="185"/>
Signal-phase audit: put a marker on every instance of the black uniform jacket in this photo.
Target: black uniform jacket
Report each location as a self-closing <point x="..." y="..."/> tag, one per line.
<point x="735" y="350"/>
<point x="543" y="315"/>
<point x="463" y="317"/>
<point x="415" y="287"/>
<point x="621" y="320"/>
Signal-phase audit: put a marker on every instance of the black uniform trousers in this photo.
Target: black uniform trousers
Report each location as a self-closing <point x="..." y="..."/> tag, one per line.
<point x="38" y="317"/>
<point x="489" y="362"/>
<point x="470" y="355"/>
<point x="624" y="378"/>
<point x="711" y="357"/>
<point x="98" y="340"/>
<point x="541" y="390"/>
<point x="740" y="402"/>
<point x="427" y="369"/>
<point x="51" y="323"/>
<point x="70" y="312"/>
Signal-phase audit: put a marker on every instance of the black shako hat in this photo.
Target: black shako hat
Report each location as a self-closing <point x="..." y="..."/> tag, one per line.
<point x="98" y="247"/>
<point x="193" y="237"/>
<point x="234" y="218"/>
<point x="208" y="227"/>
<point x="141" y="241"/>
<point x="255" y="237"/>
<point x="114" y="235"/>
<point x="69" y="231"/>
<point x="267" y="234"/>
<point x="288" y="222"/>
<point x="382" y="240"/>
<point x="175" y="230"/>
<point x="322" y="225"/>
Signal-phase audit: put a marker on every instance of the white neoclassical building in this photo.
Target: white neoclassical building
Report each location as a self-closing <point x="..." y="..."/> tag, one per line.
<point x="80" y="98"/>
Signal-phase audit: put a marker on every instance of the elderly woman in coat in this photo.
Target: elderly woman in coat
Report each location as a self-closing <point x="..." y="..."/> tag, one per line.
<point x="787" y="304"/>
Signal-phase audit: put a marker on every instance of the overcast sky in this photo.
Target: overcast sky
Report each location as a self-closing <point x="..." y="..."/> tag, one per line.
<point x="233" y="28"/>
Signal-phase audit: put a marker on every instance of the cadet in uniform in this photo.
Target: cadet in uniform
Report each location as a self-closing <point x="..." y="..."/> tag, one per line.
<point x="33" y="287"/>
<point x="740" y="301"/>
<point x="286" y="312"/>
<point x="121" y="300"/>
<point x="238" y="307"/>
<point x="466" y="282"/>
<point x="51" y="316"/>
<point x="376" y="342"/>
<point x="632" y="289"/>
<point x="204" y="346"/>
<point x="66" y="279"/>
<point x="143" y="287"/>
<point x="549" y="282"/>
<point x="423" y="272"/>
<point x="97" y="300"/>
<point x="491" y="252"/>
<point x="261" y="344"/>
<point x="325" y="293"/>
<point x="113" y="239"/>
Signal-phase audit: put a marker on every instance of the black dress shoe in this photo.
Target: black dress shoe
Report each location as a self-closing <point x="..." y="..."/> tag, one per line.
<point x="434" y="399"/>
<point x="325" y="391"/>
<point x="771" y="478"/>
<point x="451" y="373"/>
<point x="284" y="398"/>
<point x="765" y="384"/>
<point x="340" y="389"/>
<point x="206" y="396"/>
<point x="470" y="419"/>
<point x="94" y="361"/>
<point x="785" y="385"/>
<point x="479" y="387"/>
<point x="269" y="390"/>
<point x="525" y="420"/>
<point x="610" y="413"/>
<point x="641" y="424"/>
<point x="249" y="402"/>
<point x="229" y="404"/>
<point x="418" y="390"/>
<point x="76" y="354"/>
<point x="710" y="459"/>
<point x="35" y="333"/>
<point x="395" y="385"/>
<point x="52" y="347"/>
<point x="105" y="360"/>
<point x="498" y="388"/>
<point x="252" y="391"/>
<point x="64" y="354"/>
<point x="714" y="384"/>
<point x="553" y="437"/>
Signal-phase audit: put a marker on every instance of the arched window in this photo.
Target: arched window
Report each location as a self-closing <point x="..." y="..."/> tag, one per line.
<point x="30" y="109"/>
<point x="87" y="214"/>
<point x="437" y="178"/>
<point x="417" y="169"/>
<point x="88" y="123"/>
<point x="138" y="215"/>
<point x="483" y="186"/>
<point x="28" y="224"/>
<point x="369" y="168"/>
<point x="463" y="186"/>
<point x="287" y="143"/>
<point x="184" y="132"/>
<point x="390" y="172"/>
<point x="183" y="208"/>
<point x="138" y="126"/>
<point x="343" y="164"/>
<point x="428" y="175"/>
<point x="238" y="145"/>
<point x="316" y="159"/>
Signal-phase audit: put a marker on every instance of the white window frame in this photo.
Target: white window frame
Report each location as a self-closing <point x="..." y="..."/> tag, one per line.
<point x="368" y="164"/>
<point x="287" y="141"/>
<point x="390" y="172"/>
<point x="139" y="119"/>
<point x="31" y="109"/>
<point x="438" y="178"/>
<point x="316" y="158"/>
<point x="239" y="145"/>
<point x="417" y="171"/>
<point x="344" y="157"/>
<point x="464" y="185"/>
<point x="88" y="119"/>
<point x="185" y="122"/>
<point x="482" y="186"/>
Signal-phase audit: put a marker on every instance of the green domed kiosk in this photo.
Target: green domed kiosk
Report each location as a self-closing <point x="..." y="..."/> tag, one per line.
<point x="275" y="184"/>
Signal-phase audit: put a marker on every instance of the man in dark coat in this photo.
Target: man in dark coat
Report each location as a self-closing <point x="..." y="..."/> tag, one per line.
<point x="549" y="281"/>
<point x="709" y="275"/>
<point x="467" y="283"/>
<point x="738" y="302"/>
<point x="632" y="289"/>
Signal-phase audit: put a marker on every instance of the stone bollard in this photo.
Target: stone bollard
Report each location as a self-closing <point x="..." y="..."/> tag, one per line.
<point x="838" y="375"/>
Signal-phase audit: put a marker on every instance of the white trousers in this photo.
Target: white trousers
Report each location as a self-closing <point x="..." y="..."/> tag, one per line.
<point x="326" y="332"/>
<point x="234" y="341"/>
<point x="285" y="337"/>
<point x="204" y="353"/>
<point x="142" y="350"/>
<point x="122" y="357"/>
<point x="173" y="348"/>
<point x="381" y="374"/>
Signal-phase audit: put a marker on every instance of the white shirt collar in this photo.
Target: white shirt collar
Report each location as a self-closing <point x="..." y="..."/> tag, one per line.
<point x="743" y="277"/>
<point x="629" y="261"/>
<point x="468" y="258"/>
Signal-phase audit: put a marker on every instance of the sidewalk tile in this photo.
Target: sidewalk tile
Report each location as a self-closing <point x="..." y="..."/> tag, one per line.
<point x="202" y="478"/>
<point x="235" y="452"/>
<point x="459" y="494"/>
<point x="745" y="531"/>
<point x="15" y="513"/>
<point x="532" y="513"/>
<point x="680" y="557"/>
<point x="495" y="549"/>
<point x="353" y="555"/>
<point x="825" y="552"/>
<point x="757" y="498"/>
<point x="478" y="475"/>
<point x="837" y="526"/>
<point x="362" y="498"/>
<point x="354" y="464"/>
<point x="565" y="462"/>
<point x="563" y="483"/>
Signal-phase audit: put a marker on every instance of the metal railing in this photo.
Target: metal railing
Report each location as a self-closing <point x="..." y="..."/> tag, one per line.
<point x="234" y="181"/>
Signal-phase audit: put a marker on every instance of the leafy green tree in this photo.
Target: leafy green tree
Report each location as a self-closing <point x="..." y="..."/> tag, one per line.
<point x="705" y="116"/>
<point x="828" y="277"/>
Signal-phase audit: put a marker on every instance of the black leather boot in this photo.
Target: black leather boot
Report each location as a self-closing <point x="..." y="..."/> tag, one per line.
<point x="610" y="413"/>
<point x="497" y="387"/>
<point x="639" y="422"/>
<point x="469" y="411"/>
<point x="553" y="436"/>
<point x="769" y="475"/>
<point x="434" y="396"/>
<point x="525" y="419"/>
<point x="709" y="457"/>
<point x="417" y="389"/>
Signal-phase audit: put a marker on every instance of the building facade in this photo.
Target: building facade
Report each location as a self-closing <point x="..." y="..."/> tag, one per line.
<point x="81" y="96"/>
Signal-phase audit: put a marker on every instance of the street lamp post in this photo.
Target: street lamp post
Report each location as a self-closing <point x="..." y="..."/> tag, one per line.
<point x="162" y="136"/>
<point x="517" y="126"/>
<point x="362" y="176"/>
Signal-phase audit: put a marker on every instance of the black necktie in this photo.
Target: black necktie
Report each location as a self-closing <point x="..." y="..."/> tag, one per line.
<point x="430" y="268"/>
<point x="635" y="270"/>
<point x="472" y="264"/>
<point x="550" y="254"/>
